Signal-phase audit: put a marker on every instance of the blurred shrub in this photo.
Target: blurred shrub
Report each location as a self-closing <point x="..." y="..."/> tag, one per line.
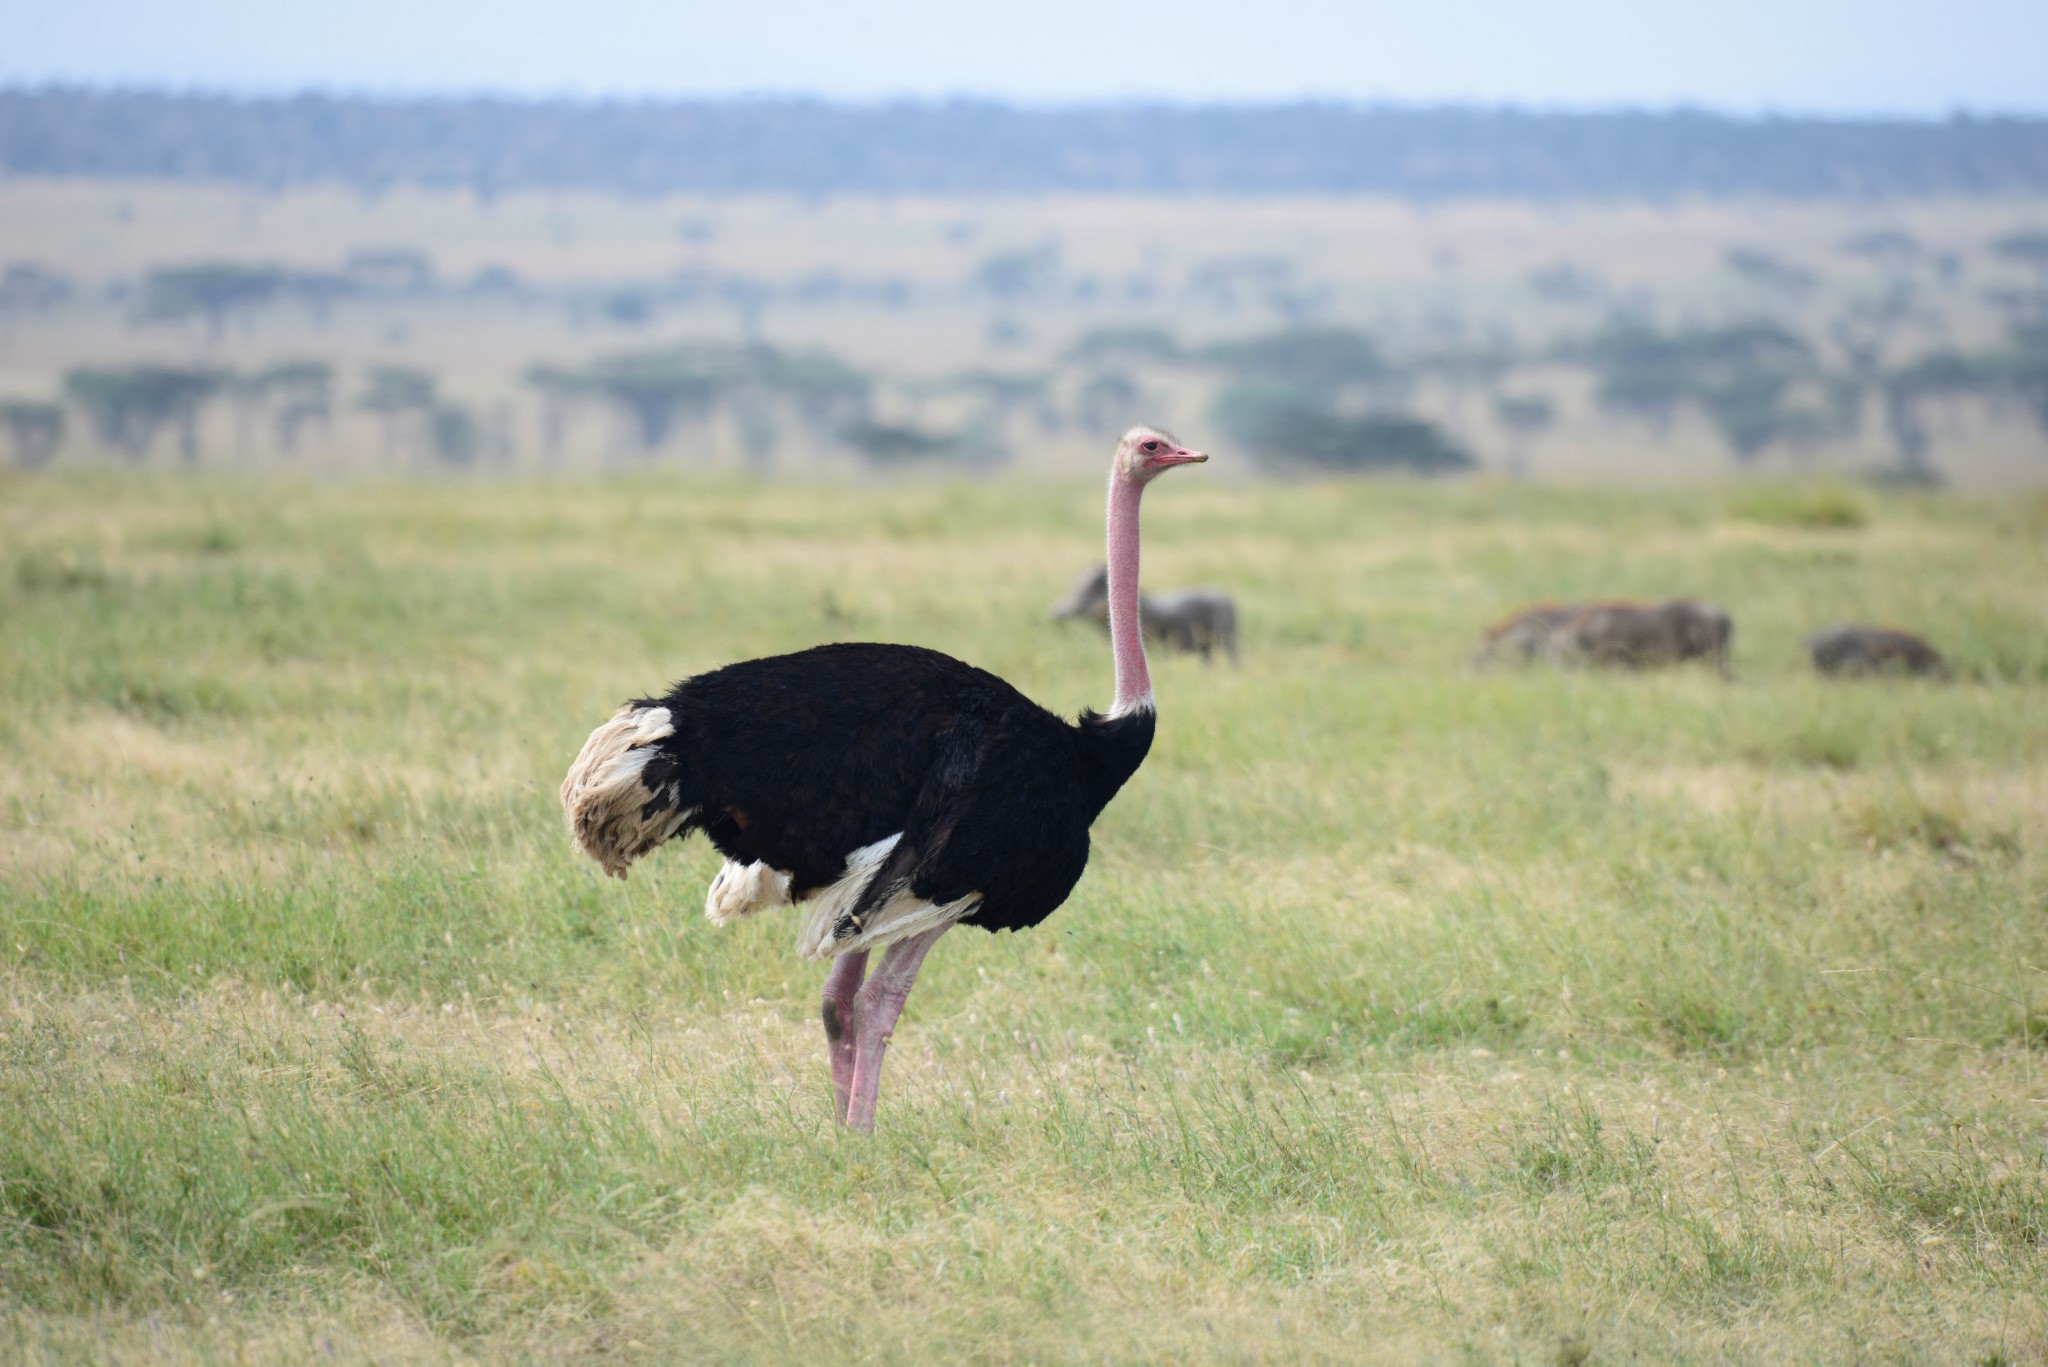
<point x="1821" y="507"/>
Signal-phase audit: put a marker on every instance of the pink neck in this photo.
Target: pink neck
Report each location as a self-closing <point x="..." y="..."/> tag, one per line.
<point x="1126" y="640"/>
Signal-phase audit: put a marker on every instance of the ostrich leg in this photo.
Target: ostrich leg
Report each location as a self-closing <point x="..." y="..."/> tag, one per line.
<point x="840" y="987"/>
<point x="876" y="1008"/>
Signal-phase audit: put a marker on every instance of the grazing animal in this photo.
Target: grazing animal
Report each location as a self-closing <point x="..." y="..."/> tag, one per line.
<point x="1524" y="633"/>
<point x="1194" y="621"/>
<point x="1873" y="650"/>
<point x="1642" y="635"/>
<point x="896" y="791"/>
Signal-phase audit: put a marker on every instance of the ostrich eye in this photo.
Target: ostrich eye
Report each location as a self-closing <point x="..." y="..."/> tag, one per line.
<point x="1151" y="446"/>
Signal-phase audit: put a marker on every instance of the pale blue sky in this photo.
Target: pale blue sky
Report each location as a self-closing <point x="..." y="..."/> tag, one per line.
<point x="1803" y="56"/>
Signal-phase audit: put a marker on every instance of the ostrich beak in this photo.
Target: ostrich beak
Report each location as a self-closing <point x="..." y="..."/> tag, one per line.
<point x="1180" y="455"/>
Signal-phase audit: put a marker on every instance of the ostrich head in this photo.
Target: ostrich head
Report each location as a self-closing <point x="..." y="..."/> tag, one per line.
<point x="1146" y="451"/>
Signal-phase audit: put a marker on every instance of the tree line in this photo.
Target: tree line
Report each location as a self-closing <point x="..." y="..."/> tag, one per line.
<point x="810" y="147"/>
<point x="1304" y="398"/>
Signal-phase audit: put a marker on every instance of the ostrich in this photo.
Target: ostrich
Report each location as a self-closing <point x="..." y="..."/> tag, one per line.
<point x="897" y="791"/>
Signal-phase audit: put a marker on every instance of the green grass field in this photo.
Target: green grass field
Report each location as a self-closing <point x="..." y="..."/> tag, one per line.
<point x="1405" y="1013"/>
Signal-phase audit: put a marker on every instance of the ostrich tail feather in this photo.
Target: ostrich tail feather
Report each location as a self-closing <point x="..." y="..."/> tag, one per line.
<point x="613" y="810"/>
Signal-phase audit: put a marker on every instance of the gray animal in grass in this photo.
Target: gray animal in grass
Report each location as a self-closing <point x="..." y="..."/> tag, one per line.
<point x="1522" y="634"/>
<point x="1197" y="621"/>
<point x="1873" y="650"/>
<point x="1642" y="635"/>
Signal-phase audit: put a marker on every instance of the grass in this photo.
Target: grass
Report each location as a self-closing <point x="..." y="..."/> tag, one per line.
<point x="1818" y="507"/>
<point x="1495" y="1017"/>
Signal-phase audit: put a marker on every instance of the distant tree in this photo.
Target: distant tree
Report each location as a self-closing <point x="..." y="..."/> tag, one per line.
<point x="1107" y="403"/>
<point x="658" y="389"/>
<point x="756" y="382"/>
<point x="1889" y="248"/>
<point x="1004" y="333"/>
<point x="755" y="426"/>
<point x="296" y="393"/>
<point x="748" y="300"/>
<point x="35" y="429"/>
<point x="457" y="436"/>
<point x="2024" y="369"/>
<point x="2027" y="248"/>
<point x="631" y="306"/>
<point x="1770" y="273"/>
<point x="319" y="291"/>
<point x="1744" y="378"/>
<point x="1864" y="330"/>
<point x="1747" y="408"/>
<point x="1126" y="345"/>
<point x="209" y="290"/>
<point x="129" y="405"/>
<point x="561" y="389"/>
<point x="496" y="282"/>
<point x="1566" y="282"/>
<point x="758" y="385"/>
<point x="890" y="444"/>
<point x="825" y="391"/>
<point x="1019" y="274"/>
<point x="1642" y="374"/>
<point x="1290" y="429"/>
<point x="1000" y="396"/>
<point x="32" y="287"/>
<point x="401" y="396"/>
<point x="1224" y="282"/>
<point x="1466" y="367"/>
<point x="1526" y="417"/>
<point x="390" y="271"/>
<point x="1935" y="375"/>
<point x="1321" y="361"/>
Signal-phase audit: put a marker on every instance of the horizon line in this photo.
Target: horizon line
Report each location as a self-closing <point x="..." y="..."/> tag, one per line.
<point x="574" y="97"/>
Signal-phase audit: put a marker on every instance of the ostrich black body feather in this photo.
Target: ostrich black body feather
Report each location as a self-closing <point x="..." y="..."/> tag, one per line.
<point x="799" y="760"/>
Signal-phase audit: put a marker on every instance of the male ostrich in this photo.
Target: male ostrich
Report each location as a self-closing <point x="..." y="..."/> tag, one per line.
<point x="898" y="791"/>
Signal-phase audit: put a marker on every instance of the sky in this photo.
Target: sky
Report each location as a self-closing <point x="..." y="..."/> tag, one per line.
<point x="1832" y="57"/>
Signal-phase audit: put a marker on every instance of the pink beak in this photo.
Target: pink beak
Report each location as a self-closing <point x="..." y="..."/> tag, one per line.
<point x="1180" y="455"/>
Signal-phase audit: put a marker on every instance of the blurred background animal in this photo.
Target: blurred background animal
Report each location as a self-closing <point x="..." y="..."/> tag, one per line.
<point x="1521" y="635"/>
<point x="1853" y="650"/>
<point x="1196" y="621"/>
<point x="1642" y="635"/>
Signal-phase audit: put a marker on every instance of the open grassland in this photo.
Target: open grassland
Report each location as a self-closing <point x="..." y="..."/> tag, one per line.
<point x="1405" y="1013"/>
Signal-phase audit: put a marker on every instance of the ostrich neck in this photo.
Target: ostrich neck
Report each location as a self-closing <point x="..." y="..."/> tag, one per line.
<point x="1126" y="638"/>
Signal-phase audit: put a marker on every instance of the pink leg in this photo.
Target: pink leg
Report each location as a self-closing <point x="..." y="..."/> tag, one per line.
<point x="875" y="1011"/>
<point x="841" y="1024"/>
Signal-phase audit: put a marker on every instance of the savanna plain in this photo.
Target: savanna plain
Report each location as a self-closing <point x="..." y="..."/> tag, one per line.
<point x="1407" y="1012"/>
